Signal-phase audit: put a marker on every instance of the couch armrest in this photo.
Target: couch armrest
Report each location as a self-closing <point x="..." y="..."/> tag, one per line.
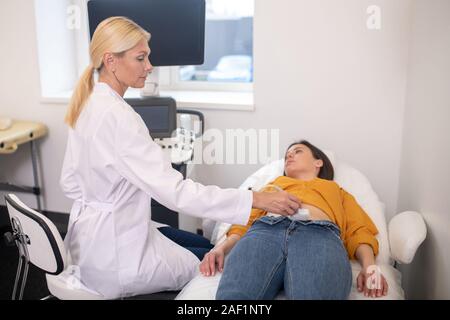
<point x="407" y="231"/>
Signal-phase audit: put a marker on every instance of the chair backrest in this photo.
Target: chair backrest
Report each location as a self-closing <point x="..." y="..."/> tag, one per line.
<point x="40" y="237"/>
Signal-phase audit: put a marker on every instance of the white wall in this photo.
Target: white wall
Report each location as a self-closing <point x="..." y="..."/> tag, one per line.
<point x="20" y="98"/>
<point x="320" y="74"/>
<point x="425" y="171"/>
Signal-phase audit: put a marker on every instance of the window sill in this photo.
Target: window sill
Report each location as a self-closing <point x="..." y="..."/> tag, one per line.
<point x="216" y="100"/>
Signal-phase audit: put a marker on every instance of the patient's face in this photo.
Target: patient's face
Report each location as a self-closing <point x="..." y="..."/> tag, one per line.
<point x="299" y="160"/>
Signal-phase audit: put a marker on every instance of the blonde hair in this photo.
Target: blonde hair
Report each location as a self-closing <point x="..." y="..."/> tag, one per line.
<point x="116" y="35"/>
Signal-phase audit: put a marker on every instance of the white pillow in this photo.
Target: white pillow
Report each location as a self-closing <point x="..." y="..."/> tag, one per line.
<point x="349" y="178"/>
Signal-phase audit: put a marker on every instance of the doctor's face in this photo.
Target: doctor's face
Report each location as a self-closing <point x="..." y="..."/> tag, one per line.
<point x="134" y="65"/>
<point x="299" y="158"/>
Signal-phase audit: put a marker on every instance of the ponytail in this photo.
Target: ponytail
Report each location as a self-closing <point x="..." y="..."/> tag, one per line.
<point x="80" y="95"/>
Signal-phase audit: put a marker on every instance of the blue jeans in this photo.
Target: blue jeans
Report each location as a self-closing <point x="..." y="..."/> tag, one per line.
<point x="305" y="258"/>
<point x="195" y="243"/>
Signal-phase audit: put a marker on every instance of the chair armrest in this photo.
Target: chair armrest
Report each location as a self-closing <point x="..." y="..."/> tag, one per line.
<point x="407" y="231"/>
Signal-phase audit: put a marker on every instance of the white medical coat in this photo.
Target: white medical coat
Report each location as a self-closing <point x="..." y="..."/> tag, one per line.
<point x="112" y="168"/>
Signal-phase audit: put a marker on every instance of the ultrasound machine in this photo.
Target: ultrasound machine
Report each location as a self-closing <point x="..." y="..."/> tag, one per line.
<point x="176" y="140"/>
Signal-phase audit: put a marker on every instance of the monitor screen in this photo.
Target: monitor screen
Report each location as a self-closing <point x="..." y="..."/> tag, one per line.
<point x="155" y="117"/>
<point x="177" y="27"/>
<point x="158" y="113"/>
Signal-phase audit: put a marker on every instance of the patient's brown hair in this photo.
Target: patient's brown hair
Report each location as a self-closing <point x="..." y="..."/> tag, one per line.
<point x="326" y="171"/>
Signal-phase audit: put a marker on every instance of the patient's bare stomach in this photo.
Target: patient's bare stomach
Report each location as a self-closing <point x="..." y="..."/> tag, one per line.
<point x="316" y="213"/>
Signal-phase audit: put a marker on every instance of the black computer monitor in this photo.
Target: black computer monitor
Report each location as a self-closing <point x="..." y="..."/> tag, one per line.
<point x="158" y="113"/>
<point x="177" y="26"/>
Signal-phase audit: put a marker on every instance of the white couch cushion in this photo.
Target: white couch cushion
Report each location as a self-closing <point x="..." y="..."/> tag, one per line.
<point x="205" y="288"/>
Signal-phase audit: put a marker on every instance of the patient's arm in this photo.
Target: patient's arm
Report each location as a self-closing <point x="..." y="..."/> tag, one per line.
<point x="214" y="259"/>
<point x="370" y="280"/>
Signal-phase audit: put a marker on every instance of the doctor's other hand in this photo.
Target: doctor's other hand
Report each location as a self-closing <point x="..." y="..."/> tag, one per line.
<point x="212" y="262"/>
<point x="280" y="202"/>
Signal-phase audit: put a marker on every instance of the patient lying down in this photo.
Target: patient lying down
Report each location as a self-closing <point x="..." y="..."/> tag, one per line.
<point x="309" y="259"/>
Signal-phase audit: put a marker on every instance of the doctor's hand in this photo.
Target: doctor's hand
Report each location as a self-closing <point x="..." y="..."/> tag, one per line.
<point x="280" y="202"/>
<point x="212" y="262"/>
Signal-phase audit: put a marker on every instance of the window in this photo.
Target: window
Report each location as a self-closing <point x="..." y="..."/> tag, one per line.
<point x="228" y="61"/>
<point x="227" y="73"/>
<point x="63" y="45"/>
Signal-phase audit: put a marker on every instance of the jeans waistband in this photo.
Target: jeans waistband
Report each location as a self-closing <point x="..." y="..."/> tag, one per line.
<point x="274" y="220"/>
<point x="318" y="222"/>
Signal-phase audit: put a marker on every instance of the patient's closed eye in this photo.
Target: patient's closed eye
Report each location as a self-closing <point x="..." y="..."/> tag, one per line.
<point x="296" y="151"/>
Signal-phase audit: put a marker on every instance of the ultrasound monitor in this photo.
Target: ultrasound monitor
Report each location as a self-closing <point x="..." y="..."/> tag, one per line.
<point x="177" y="27"/>
<point x="158" y="113"/>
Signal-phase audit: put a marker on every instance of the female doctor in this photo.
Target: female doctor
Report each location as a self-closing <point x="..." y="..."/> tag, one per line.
<point x="112" y="169"/>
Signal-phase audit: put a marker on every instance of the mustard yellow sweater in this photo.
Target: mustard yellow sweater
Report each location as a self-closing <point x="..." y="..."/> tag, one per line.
<point x="340" y="206"/>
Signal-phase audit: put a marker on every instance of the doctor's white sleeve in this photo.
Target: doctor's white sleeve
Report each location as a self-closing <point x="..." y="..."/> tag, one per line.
<point x="142" y="162"/>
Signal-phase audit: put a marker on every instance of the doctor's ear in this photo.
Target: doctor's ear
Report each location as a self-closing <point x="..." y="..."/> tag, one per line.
<point x="109" y="60"/>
